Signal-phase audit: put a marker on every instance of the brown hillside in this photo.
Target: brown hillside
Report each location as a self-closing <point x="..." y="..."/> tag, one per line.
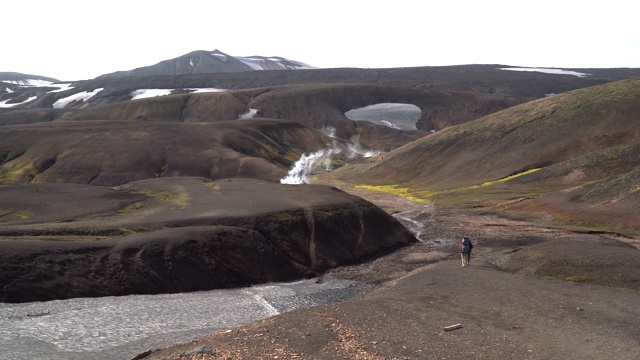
<point x="573" y="139"/>
<point x="202" y="107"/>
<point x="316" y="105"/>
<point x="116" y="152"/>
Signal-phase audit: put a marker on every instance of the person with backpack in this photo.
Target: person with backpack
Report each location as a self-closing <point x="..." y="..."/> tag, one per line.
<point x="465" y="248"/>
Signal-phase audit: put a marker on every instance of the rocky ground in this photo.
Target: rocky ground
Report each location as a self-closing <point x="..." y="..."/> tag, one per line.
<point x="505" y="307"/>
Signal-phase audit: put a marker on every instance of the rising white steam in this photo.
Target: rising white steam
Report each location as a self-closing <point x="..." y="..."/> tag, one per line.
<point x="355" y="148"/>
<point x="301" y="171"/>
<point x="329" y="131"/>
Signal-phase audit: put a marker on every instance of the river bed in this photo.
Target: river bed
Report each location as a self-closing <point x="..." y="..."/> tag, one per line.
<point x="120" y="327"/>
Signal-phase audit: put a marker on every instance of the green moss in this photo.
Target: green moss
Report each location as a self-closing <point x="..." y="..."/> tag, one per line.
<point x="395" y="190"/>
<point x="17" y="172"/>
<point x="132" y="232"/>
<point x="576" y="278"/>
<point x="131" y="208"/>
<point x="21" y="216"/>
<point x="167" y="197"/>
<point x="212" y="186"/>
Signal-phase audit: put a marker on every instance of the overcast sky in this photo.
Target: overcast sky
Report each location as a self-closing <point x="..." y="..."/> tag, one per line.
<point x="79" y="39"/>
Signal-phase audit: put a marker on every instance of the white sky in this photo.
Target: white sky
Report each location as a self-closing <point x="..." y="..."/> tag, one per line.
<point x="79" y="39"/>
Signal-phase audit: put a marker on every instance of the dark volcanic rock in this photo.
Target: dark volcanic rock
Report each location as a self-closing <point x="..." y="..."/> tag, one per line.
<point x="185" y="234"/>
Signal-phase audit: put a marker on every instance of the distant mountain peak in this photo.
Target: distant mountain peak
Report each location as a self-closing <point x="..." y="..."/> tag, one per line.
<point x="214" y="61"/>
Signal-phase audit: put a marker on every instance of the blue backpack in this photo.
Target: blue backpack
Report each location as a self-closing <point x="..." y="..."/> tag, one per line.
<point x="465" y="246"/>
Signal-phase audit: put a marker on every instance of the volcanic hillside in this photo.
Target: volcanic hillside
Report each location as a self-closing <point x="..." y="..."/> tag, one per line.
<point x="319" y="106"/>
<point x="116" y="152"/>
<point x="573" y="158"/>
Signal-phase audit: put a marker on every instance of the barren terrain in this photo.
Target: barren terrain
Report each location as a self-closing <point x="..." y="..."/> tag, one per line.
<point x="504" y="308"/>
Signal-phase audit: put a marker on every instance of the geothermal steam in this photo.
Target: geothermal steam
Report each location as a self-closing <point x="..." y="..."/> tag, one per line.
<point x="301" y="171"/>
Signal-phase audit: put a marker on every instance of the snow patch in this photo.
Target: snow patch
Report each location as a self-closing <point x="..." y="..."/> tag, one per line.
<point x="3" y="104"/>
<point x="292" y="65"/>
<point x="394" y="115"/>
<point x="84" y="96"/>
<point x="249" y="114"/>
<point x="222" y="57"/>
<point x="148" y="93"/>
<point x="393" y="126"/>
<point x="260" y="64"/>
<point x="9" y="91"/>
<point x="29" y="82"/>
<point x="255" y="64"/>
<point x="201" y="90"/>
<point x="61" y="87"/>
<point x="549" y="71"/>
<point x="191" y="62"/>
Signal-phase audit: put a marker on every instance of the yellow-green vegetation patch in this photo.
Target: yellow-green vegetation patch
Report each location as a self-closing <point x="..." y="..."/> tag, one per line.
<point x="270" y="152"/>
<point x="287" y="217"/>
<point x="487" y="183"/>
<point x="393" y="189"/>
<point x="21" y="216"/>
<point x="16" y="172"/>
<point x="131" y="208"/>
<point x="179" y="199"/>
<point x="14" y="216"/>
<point x="421" y="196"/>
<point x="135" y="231"/>
<point x="576" y="278"/>
<point x="212" y="186"/>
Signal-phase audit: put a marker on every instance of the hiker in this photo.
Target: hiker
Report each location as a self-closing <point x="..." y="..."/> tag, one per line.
<point x="465" y="248"/>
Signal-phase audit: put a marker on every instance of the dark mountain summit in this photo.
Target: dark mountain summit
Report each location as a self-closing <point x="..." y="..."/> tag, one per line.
<point x="207" y="62"/>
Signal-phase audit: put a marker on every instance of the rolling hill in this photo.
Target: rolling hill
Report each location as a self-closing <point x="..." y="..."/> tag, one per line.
<point x="110" y="153"/>
<point x="573" y="157"/>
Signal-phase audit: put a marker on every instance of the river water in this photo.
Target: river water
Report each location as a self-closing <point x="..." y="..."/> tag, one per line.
<point x="121" y="327"/>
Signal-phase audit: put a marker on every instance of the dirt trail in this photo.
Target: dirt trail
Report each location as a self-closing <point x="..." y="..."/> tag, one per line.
<point x="422" y="288"/>
<point x="502" y="316"/>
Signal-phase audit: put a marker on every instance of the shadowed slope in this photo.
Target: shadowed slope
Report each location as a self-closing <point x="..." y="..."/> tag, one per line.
<point x="541" y="147"/>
